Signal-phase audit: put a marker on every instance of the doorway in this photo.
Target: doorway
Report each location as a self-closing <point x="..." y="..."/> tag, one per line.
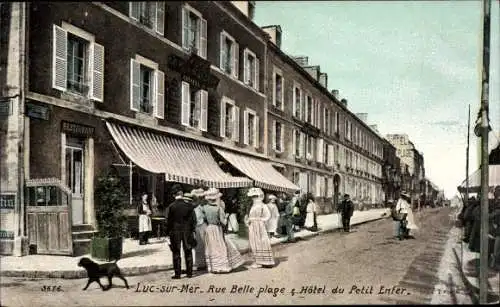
<point x="75" y="177"/>
<point x="336" y="196"/>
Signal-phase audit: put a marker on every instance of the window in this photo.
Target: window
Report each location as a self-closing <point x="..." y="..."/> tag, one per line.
<point x="251" y="73"/>
<point x="149" y="13"/>
<point x="147" y="87"/>
<point x="278" y="93"/>
<point x="310" y="145"/>
<point x="194" y="107"/>
<point x="337" y="152"/>
<point x="74" y="165"/>
<point x="309" y="110"/>
<point x="319" y="150"/>
<point x="297" y="141"/>
<point x="230" y="120"/>
<point x="229" y="54"/>
<point x="297" y="98"/>
<point x="337" y="122"/>
<point x="326" y="120"/>
<point x="194" y="32"/>
<point x="278" y="136"/>
<point x="77" y="62"/>
<point x="251" y="128"/>
<point x="326" y="154"/>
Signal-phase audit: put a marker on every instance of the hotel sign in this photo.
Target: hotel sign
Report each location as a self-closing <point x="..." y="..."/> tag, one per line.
<point x="77" y="129"/>
<point x="194" y="70"/>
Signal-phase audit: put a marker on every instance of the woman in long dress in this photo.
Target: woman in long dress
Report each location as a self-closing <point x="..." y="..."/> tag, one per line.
<point x="201" y="226"/>
<point x="145" y="226"/>
<point x="220" y="253"/>
<point x="272" y="223"/>
<point x="408" y="222"/>
<point x="310" y="215"/>
<point x="257" y="233"/>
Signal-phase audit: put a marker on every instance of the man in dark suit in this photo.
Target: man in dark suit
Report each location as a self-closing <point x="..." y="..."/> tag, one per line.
<point x="181" y="224"/>
<point x="347" y="209"/>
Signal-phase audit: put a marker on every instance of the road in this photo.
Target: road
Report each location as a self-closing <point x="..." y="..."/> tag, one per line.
<point x="367" y="266"/>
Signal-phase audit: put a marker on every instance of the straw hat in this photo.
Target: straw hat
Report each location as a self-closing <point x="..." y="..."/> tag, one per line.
<point x="198" y="193"/>
<point x="255" y="192"/>
<point x="405" y="194"/>
<point x="271" y="197"/>
<point x="188" y="195"/>
<point x="212" y="193"/>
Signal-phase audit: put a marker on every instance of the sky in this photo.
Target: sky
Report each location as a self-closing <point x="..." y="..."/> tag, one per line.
<point x="413" y="66"/>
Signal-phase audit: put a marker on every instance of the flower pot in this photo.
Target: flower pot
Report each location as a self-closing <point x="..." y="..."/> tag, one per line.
<point x="107" y="248"/>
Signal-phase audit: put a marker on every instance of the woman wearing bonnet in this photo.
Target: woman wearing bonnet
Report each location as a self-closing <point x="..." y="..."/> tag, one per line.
<point x="272" y="223"/>
<point x="221" y="254"/>
<point x="257" y="233"/>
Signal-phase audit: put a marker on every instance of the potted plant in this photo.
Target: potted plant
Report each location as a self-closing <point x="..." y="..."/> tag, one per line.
<point x="109" y="199"/>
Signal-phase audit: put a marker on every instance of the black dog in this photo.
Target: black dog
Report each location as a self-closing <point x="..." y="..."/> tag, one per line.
<point x="95" y="271"/>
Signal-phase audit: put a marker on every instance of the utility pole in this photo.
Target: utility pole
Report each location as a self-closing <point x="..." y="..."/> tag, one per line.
<point x="483" y="260"/>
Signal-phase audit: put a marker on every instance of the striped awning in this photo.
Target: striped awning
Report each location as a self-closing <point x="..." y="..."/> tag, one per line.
<point x="181" y="161"/>
<point x="262" y="172"/>
<point x="475" y="180"/>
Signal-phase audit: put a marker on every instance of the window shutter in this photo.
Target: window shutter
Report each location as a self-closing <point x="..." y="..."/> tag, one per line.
<point x="97" y="90"/>
<point x="223" y="118"/>
<point x="282" y="138"/>
<point x="302" y="144"/>
<point x="294" y="142"/>
<point x="160" y="17"/>
<point x="185" y="104"/>
<point x="274" y="135"/>
<point x="302" y="103"/>
<point x="294" y="103"/>
<point x="282" y="93"/>
<point x="236" y="125"/>
<point x="274" y="89"/>
<point x="135" y="87"/>
<point x="185" y="28"/>
<point x="204" y="109"/>
<point x="203" y="38"/>
<point x="223" y="54"/>
<point x="257" y="73"/>
<point x="245" y="67"/>
<point x="256" y="132"/>
<point x="330" y="155"/>
<point x="59" y="58"/>
<point x="320" y="150"/>
<point x="134" y="10"/>
<point x="236" y="59"/>
<point x="306" y="109"/>
<point x="245" y="127"/>
<point x="160" y="94"/>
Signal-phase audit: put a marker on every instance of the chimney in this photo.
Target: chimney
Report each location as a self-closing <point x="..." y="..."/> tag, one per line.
<point x="301" y="60"/>
<point x="274" y="33"/>
<point x="335" y="94"/>
<point x="323" y="79"/>
<point x="363" y="117"/>
<point x="344" y="102"/>
<point x="246" y="7"/>
<point x="313" y="71"/>
<point x="374" y="127"/>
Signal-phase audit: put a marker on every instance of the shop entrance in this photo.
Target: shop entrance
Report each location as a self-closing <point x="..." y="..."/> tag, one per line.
<point x="75" y="177"/>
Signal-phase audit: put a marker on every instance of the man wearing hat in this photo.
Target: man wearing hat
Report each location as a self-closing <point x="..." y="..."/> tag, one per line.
<point x="347" y="210"/>
<point x="403" y="208"/>
<point x="181" y="225"/>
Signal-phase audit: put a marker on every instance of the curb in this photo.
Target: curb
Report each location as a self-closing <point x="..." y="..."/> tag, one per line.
<point x="134" y="271"/>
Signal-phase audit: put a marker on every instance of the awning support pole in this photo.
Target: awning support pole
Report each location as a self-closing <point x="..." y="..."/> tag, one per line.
<point x="130" y="166"/>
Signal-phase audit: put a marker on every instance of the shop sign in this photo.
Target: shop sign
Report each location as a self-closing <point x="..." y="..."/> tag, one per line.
<point x="5" y="108"/>
<point x="194" y="70"/>
<point x="77" y="129"/>
<point x="37" y="111"/>
<point x="7" y="205"/>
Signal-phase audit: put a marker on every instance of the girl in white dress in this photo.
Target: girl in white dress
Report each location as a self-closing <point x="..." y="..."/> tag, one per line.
<point x="257" y="234"/>
<point x="310" y="215"/>
<point x="145" y="227"/>
<point x="272" y="223"/>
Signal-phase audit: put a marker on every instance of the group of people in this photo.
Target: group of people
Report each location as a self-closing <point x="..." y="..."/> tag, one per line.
<point x="402" y="214"/>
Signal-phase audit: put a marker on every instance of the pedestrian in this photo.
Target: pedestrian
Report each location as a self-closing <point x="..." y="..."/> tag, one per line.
<point x="291" y="206"/>
<point x="495" y="230"/>
<point x="311" y="210"/>
<point x="257" y="233"/>
<point x="201" y="226"/>
<point x="181" y="225"/>
<point x="145" y="226"/>
<point x="272" y="223"/>
<point x="282" y="204"/>
<point x="347" y="212"/>
<point x="221" y="254"/>
<point x="231" y="215"/>
<point x="407" y="222"/>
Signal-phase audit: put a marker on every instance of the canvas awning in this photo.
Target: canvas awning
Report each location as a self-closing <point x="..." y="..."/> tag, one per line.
<point x="475" y="179"/>
<point x="262" y="172"/>
<point x="181" y="161"/>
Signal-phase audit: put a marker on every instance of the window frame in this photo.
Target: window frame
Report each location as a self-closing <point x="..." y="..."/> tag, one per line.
<point x="255" y="79"/>
<point x="256" y="130"/>
<point x="234" y="54"/>
<point x="279" y="72"/>
<point x="198" y="44"/>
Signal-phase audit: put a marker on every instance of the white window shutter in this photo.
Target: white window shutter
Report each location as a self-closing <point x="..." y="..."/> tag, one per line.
<point x="330" y="155"/>
<point x="302" y="144"/>
<point x="273" y="137"/>
<point x="245" y="127"/>
<point x="160" y="94"/>
<point x="223" y="118"/>
<point x="160" y="17"/>
<point x="134" y="8"/>
<point x="257" y="132"/>
<point x="294" y="103"/>
<point x="236" y="125"/>
<point x="257" y="74"/>
<point x="302" y="108"/>
<point x="135" y="87"/>
<point x="97" y="74"/>
<point x="203" y="39"/>
<point x="204" y="109"/>
<point x="282" y="93"/>
<point x="59" y="58"/>
<point x="223" y="54"/>
<point x="282" y="138"/>
<point x="236" y="59"/>
<point x="185" y="28"/>
<point x="306" y="109"/>
<point x="186" y="99"/>
<point x="294" y="142"/>
<point x="274" y="89"/>
<point x="245" y="67"/>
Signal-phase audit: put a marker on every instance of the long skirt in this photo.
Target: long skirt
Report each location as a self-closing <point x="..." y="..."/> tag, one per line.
<point x="221" y="254"/>
<point x="232" y="223"/>
<point x="260" y="243"/>
<point x="145" y="223"/>
<point x="199" y="250"/>
<point x="309" y="220"/>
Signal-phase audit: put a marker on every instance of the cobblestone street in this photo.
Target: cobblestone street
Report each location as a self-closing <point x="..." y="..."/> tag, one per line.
<point x="366" y="266"/>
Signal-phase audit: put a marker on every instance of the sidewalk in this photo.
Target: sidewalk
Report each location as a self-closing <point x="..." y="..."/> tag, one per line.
<point x="142" y="259"/>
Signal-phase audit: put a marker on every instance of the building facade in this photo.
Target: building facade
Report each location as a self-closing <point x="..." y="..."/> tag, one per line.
<point x="391" y="176"/>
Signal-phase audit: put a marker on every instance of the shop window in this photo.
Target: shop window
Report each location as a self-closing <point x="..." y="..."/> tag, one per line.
<point x="78" y="62"/>
<point x="151" y="14"/>
<point x="251" y="128"/>
<point x="230" y="120"/>
<point x="251" y="72"/>
<point x="194" y="107"/>
<point x="147" y="87"/>
<point x="194" y="32"/>
<point x="229" y="54"/>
